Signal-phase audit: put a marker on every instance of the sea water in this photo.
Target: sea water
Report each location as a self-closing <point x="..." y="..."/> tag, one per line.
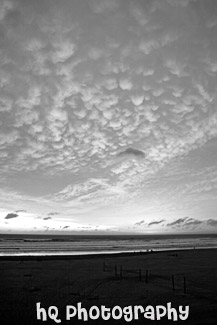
<point x="30" y="245"/>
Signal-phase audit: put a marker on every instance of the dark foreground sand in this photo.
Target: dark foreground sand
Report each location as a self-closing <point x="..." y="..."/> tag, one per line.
<point x="62" y="281"/>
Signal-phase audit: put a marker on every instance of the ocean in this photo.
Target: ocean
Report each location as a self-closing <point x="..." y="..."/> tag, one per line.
<point x="43" y="245"/>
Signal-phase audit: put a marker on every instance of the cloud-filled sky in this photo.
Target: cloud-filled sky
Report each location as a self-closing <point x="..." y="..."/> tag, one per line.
<point x="108" y="116"/>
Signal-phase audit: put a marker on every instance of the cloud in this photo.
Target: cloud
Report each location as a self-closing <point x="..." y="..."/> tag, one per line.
<point x="177" y="222"/>
<point x="187" y="222"/>
<point x="132" y="152"/>
<point x="5" y="7"/>
<point x="11" y="215"/>
<point x="110" y="83"/>
<point x="125" y="84"/>
<point x="212" y="66"/>
<point x="137" y="99"/>
<point x="212" y="222"/>
<point x="179" y="3"/>
<point x="139" y="223"/>
<point x="212" y="22"/>
<point x="139" y="14"/>
<point x="5" y="104"/>
<point x="203" y="92"/>
<point x="102" y="6"/>
<point x="121" y="168"/>
<point x="193" y="222"/>
<point x="53" y="213"/>
<point x="147" y="46"/>
<point x="155" y="222"/>
<point x="63" y="51"/>
<point x="9" y="138"/>
<point x="95" y="53"/>
<point x="176" y="67"/>
<point x="148" y="72"/>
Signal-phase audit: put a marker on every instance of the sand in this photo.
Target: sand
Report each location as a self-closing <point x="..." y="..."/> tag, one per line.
<point x="98" y="280"/>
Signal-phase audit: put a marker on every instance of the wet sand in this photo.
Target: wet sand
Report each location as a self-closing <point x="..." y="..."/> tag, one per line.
<point x="121" y="279"/>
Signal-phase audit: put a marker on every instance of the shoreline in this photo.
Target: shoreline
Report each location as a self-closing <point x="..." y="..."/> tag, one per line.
<point x="94" y="255"/>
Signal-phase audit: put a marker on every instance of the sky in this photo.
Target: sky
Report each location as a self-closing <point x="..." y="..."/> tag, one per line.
<point x="108" y="117"/>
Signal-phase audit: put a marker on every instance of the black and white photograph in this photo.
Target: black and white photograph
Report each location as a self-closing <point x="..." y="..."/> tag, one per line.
<point x="108" y="162"/>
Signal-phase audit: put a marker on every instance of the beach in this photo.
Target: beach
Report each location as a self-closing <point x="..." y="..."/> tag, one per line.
<point x="184" y="278"/>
